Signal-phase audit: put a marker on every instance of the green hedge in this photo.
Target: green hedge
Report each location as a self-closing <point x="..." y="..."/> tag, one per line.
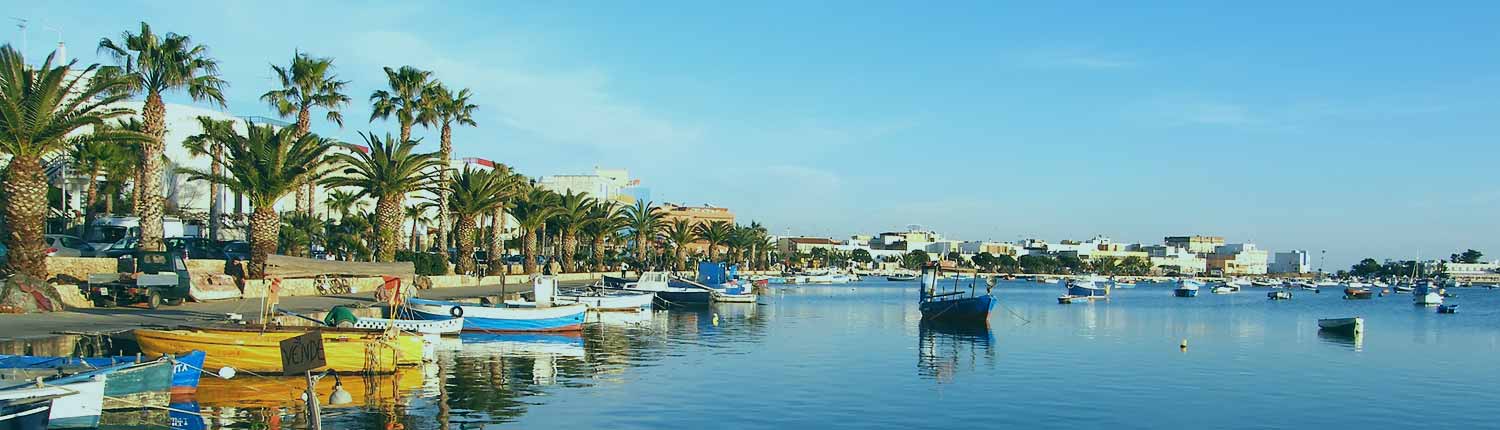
<point x="426" y="263"/>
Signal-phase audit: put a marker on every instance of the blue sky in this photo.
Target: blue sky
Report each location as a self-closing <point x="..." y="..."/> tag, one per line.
<point x="1361" y="128"/>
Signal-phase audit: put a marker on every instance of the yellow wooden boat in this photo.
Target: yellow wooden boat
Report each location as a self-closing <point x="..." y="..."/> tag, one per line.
<point x="346" y="351"/>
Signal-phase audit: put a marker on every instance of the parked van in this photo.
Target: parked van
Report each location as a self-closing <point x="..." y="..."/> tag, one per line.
<point x="106" y="231"/>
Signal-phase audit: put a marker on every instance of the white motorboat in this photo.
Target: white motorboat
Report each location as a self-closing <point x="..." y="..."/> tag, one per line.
<point x="1224" y="288"/>
<point x="1425" y="294"/>
<point x="601" y="300"/>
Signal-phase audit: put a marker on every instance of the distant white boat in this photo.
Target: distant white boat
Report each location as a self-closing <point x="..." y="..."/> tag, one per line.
<point x="438" y="327"/>
<point x="1424" y="294"/>
<point x="1224" y="288"/>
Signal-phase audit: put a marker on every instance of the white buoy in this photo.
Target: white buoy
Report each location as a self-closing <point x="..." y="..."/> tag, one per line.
<point x="226" y="372"/>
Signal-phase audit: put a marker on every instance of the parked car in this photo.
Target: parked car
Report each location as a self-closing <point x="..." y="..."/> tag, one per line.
<point x="235" y="250"/>
<point x="62" y="245"/>
<point x="120" y="248"/>
<point x="197" y="248"/>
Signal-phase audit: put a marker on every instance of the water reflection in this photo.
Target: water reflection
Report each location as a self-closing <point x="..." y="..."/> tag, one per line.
<point x="1354" y="341"/>
<point x="945" y="349"/>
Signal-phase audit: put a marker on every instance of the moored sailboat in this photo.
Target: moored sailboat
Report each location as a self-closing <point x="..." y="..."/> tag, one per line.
<point x="952" y="305"/>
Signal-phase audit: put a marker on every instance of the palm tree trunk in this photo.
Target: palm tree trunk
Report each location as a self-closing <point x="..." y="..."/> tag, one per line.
<point x="640" y="250"/>
<point x="599" y="252"/>
<point x="445" y="150"/>
<point x="528" y="251"/>
<point x="304" y="124"/>
<point x="215" y="191"/>
<point x="711" y="247"/>
<point x="92" y="196"/>
<point x="264" y="225"/>
<point x="26" y="215"/>
<point x="150" y="205"/>
<point x="497" y="243"/>
<point x="412" y="242"/>
<point x="569" y="250"/>
<point x="387" y="229"/>
<point x="677" y="257"/>
<point x="465" y="232"/>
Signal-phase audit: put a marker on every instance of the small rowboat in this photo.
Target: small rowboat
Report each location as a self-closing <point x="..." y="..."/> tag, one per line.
<point x="1447" y="309"/>
<point x="1357" y="293"/>
<point x="1279" y="295"/>
<point x="438" y="327"/>
<point x="347" y="351"/>
<point x="1349" y="326"/>
<point x="608" y="301"/>
<point x="723" y="297"/>
<point x="47" y="404"/>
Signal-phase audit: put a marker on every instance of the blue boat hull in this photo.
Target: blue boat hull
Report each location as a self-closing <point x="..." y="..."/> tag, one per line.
<point x="187" y="368"/>
<point x="668" y="298"/>
<point x="964" y="309"/>
<point x="1185" y="293"/>
<point x="1087" y="292"/>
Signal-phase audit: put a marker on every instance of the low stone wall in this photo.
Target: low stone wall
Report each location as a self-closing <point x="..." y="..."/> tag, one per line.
<point x="79" y="268"/>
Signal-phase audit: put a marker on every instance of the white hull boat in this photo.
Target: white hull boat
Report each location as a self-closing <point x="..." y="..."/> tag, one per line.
<point x="609" y="302"/>
<point x="437" y="327"/>
<point x="722" y="297"/>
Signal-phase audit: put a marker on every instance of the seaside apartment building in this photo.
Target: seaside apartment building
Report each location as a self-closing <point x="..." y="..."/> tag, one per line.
<point x="1172" y="259"/>
<point x="1290" y="262"/>
<point x="1201" y="245"/>
<point x="608" y="184"/>
<point x="1237" y="259"/>
<point x="1480" y="273"/>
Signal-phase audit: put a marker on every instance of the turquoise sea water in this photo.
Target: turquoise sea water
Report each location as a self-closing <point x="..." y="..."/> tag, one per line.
<point x="857" y="356"/>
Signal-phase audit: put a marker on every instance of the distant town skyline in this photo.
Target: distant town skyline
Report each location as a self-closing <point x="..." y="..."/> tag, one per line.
<point x="981" y="120"/>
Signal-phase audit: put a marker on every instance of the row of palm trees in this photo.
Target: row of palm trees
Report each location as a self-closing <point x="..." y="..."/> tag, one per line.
<point x="52" y="109"/>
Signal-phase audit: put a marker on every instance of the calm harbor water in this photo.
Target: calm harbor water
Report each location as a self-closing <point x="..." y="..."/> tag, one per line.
<point x="857" y="356"/>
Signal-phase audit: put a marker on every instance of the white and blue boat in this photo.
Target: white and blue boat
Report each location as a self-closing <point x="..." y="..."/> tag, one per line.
<point x="662" y="286"/>
<point x="29" y="406"/>
<point x="1426" y="294"/>
<point x="539" y="316"/>
<point x="1092" y="286"/>
<point x="186" y="368"/>
<point x="480" y="318"/>
<point x="1187" y="288"/>
<point x="952" y="305"/>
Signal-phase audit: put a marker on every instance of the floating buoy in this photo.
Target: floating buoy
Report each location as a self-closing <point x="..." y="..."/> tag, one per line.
<point x="716" y="320"/>
<point x="1183" y="345"/>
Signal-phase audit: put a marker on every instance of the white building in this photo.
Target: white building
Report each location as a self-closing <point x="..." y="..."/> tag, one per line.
<point x="1237" y="259"/>
<point x="1170" y="259"/>
<point x="609" y="184"/>
<point x="1294" y="261"/>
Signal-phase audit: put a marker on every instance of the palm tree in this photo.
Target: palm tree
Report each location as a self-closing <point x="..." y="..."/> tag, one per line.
<point x="265" y="164"/>
<point x="680" y="232"/>
<point x="39" y="108"/>
<point x="343" y="202"/>
<point x="418" y="215"/>
<point x="444" y="109"/>
<point x="573" y="211"/>
<point x="511" y="182"/>
<point x="307" y="83"/>
<point x="387" y="173"/>
<point x="714" y="233"/>
<point x="532" y="211"/>
<point x="643" y="218"/>
<point x="204" y="144"/>
<point x="604" y="219"/>
<point x="404" y="100"/>
<point x="741" y="241"/>
<point x="475" y="193"/>
<point x="94" y="158"/>
<point x="155" y="64"/>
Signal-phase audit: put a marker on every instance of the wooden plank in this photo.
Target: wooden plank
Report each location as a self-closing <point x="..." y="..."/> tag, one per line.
<point x="287" y="267"/>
